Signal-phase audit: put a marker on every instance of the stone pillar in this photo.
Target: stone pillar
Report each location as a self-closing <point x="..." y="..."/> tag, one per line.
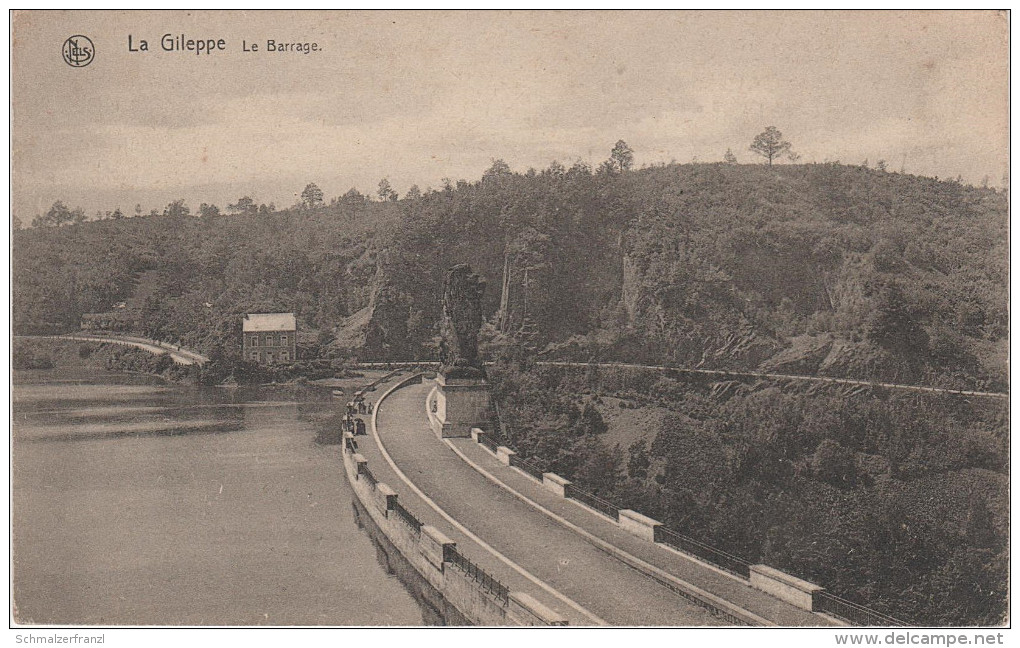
<point x="640" y="525"/>
<point x="462" y="404"/>
<point x="435" y="546"/>
<point x="784" y="586"/>
<point x="555" y="483"/>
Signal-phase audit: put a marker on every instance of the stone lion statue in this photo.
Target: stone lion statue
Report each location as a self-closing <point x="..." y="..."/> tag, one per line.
<point x="462" y="318"/>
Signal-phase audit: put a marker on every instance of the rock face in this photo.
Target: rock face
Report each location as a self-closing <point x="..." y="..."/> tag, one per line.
<point x="462" y="318"/>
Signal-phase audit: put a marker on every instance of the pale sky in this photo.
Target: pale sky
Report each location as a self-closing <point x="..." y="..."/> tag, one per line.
<point x="416" y="97"/>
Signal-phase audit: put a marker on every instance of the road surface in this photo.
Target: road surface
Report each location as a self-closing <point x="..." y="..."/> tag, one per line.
<point x="179" y="355"/>
<point x="569" y="562"/>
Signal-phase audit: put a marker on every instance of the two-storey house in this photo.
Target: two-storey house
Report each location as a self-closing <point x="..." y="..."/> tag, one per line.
<point x="269" y="337"/>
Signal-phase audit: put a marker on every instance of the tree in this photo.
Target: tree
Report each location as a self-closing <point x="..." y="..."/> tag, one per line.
<point x="622" y="156"/>
<point x="138" y="209"/>
<point x="385" y="191"/>
<point x="729" y="158"/>
<point x="834" y="464"/>
<point x="770" y="144"/>
<point x="117" y="214"/>
<point x="414" y="193"/>
<point x="177" y="209"/>
<point x="353" y="198"/>
<point x="555" y="169"/>
<point x="57" y="215"/>
<point x="311" y="197"/>
<point x="881" y="165"/>
<point x="245" y="205"/>
<point x="638" y="462"/>
<point x="579" y="168"/>
<point x="892" y="324"/>
<point x="208" y="211"/>
<point x="499" y="169"/>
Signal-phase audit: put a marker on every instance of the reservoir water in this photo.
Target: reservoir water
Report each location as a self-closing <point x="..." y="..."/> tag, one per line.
<point x="140" y="503"/>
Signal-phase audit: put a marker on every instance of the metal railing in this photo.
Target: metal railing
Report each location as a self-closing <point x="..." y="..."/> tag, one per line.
<point x="363" y="471"/>
<point x="852" y="612"/>
<point x="717" y="557"/>
<point x="824" y="601"/>
<point x="529" y="467"/>
<point x="488" y="442"/>
<point x="496" y="421"/>
<point x="593" y="501"/>
<point x="487" y="582"/>
<point x="407" y="518"/>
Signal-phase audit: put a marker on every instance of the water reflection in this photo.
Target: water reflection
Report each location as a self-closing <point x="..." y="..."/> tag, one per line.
<point x="435" y="610"/>
<point x="136" y="502"/>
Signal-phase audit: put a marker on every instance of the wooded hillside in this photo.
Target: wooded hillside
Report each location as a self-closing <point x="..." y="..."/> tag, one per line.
<point x="830" y="269"/>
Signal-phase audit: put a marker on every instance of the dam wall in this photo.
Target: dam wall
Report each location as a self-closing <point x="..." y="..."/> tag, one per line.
<point x="466" y="586"/>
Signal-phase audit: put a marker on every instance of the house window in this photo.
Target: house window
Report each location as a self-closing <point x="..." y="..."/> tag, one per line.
<point x="254" y="356"/>
<point x="283" y="340"/>
<point x="284" y="356"/>
<point x="254" y="340"/>
<point x="269" y="356"/>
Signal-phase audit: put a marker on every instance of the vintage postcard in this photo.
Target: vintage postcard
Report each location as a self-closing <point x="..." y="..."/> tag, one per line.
<point x="518" y="318"/>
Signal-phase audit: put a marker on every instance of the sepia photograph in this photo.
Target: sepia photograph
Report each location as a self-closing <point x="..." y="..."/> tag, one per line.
<point x="573" y="319"/>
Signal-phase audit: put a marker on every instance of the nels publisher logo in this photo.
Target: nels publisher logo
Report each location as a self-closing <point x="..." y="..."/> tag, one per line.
<point x="78" y="51"/>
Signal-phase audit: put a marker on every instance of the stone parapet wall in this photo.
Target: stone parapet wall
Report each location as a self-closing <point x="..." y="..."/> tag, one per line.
<point x="766" y="579"/>
<point x="430" y="552"/>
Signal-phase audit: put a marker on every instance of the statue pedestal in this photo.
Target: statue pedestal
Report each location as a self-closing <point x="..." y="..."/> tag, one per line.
<point x="455" y="405"/>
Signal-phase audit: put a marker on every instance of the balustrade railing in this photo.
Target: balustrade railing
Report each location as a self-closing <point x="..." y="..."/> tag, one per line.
<point x="823" y="602"/>
<point x="488" y="442"/>
<point x="852" y="612"/>
<point x="593" y="501"/>
<point x="529" y="467"/>
<point x="363" y="471"/>
<point x="717" y="557"/>
<point x="407" y="517"/>
<point x="487" y="582"/>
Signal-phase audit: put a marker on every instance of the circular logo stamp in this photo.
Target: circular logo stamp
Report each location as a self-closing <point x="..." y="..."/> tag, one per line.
<point x="78" y="51"/>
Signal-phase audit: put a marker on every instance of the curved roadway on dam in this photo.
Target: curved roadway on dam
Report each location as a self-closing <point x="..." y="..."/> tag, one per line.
<point x="601" y="585"/>
<point x="583" y="574"/>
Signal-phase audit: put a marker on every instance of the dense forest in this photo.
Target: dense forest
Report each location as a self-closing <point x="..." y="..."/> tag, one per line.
<point x="823" y="269"/>
<point x="899" y="501"/>
<point x="894" y="500"/>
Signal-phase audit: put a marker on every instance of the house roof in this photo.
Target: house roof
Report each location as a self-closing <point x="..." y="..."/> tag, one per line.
<point x="269" y="322"/>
